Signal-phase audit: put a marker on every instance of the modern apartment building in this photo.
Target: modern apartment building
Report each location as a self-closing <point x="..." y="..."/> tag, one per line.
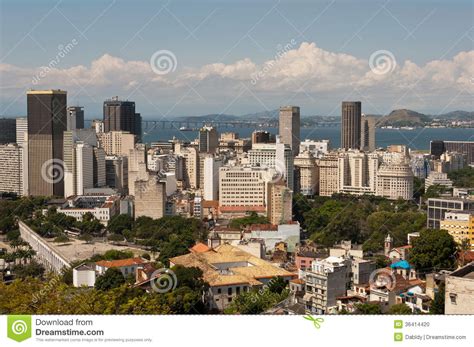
<point x="279" y="203"/>
<point x="308" y="179"/>
<point x="12" y="165"/>
<point x="117" y="142"/>
<point x="394" y="181"/>
<point x="328" y="174"/>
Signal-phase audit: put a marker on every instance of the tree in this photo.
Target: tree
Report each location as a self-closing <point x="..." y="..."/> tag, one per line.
<point x="33" y="269"/>
<point x="433" y="250"/>
<point x="255" y="302"/>
<point x="462" y="178"/>
<point x="277" y="285"/>
<point x="367" y="308"/>
<point x="400" y="309"/>
<point x="437" y="306"/>
<point x="119" y="223"/>
<point x="252" y="218"/>
<point x="112" y="278"/>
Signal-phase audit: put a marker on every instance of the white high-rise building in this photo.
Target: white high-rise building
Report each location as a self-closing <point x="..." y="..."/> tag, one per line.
<point x="84" y="167"/>
<point x="190" y="165"/>
<point x="244" y="188"/>
<point x="21" y="130"/>
<point x="275" y="155"/>
<point x="308" y="183"/>
<point x="211" y="177"/>
<point x="11" y="173"/>
<point x="395" y="180"/>
<point x="316" y="147"/>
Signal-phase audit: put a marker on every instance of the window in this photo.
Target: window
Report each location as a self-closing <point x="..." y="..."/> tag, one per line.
<point x="237" y="290"/>
<point x="229" y="291"/>
<point x="229" y="300"/>
<point x="453" y="298"/>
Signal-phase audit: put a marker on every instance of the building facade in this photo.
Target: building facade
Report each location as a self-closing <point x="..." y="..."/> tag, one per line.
<point x="351" y="125"/>
<point x="289" y="127"/>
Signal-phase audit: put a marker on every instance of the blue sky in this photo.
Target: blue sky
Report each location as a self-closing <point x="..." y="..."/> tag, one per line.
<point x="201" y="34"/>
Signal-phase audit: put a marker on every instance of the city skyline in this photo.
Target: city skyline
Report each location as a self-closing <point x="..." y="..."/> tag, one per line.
<point x="280" y="54"/>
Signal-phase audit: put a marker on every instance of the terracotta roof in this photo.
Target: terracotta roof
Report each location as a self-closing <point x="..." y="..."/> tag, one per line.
<point x="120" y="263"/>
<point x="210" y="203"/>
<point x="243" y="268"/>
<point x="297" y="281"/>
<point x="199" y="247"/>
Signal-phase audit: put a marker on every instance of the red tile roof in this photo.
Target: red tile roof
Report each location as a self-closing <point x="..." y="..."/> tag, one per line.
<point x="199" y="248"/>
<point x="120" y="263"/>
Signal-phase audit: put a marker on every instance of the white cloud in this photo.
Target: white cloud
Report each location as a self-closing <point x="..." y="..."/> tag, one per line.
<point x="307" y="68"/>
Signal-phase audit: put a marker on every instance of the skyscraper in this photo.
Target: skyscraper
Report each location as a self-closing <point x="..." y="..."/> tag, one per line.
<point x="351" y="125"/>
<point x="47" y="121"/>
<point x="208" y="140"/>
<point x="367" y="133"/>
<point x="120" y="115"/>
<point x="75" y="117"/>
<point x="289" y="127"/>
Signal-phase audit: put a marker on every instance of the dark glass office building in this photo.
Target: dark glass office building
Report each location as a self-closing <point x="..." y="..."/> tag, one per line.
<point x="47" y="121"/>
<point x="120" y="116"/>
<point x="351" y="124"/>
<point x="8" y="130"/>
<point x="438" y="147"/>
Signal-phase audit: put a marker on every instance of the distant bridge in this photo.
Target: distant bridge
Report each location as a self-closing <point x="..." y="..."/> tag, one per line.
<point x="150" y="125"/>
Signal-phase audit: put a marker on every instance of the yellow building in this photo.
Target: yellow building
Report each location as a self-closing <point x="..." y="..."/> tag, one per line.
<point x="460" y="225"/>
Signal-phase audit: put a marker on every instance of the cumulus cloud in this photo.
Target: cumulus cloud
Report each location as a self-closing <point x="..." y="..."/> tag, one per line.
<point x="307" y="68"/>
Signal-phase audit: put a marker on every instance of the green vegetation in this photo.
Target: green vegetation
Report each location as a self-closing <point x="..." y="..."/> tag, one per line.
<point x="51" y="295"/>
<point x="365" y="220"/>
<point x="463" y="178"/>
<point x="33" y="269"/>
<point x="367" y="308"/>
<point x="433" y="250"/>
<point x="437" y="306"/>
<point x="112" y="278"/>
<point x="400" y="309"/>
<point x="252" y="218"/>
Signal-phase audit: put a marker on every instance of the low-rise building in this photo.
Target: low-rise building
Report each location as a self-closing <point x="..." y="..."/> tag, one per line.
<point x="230" y="272"/>
<point x="103" y="207"/>
<point x="272" y="234"/>
<point x="126" y="266"/>
<point x="460" y="291"/>
<point x="460" y="226"/>
<point x="324" y="283"/>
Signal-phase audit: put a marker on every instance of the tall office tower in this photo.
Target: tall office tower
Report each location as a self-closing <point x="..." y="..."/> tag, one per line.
<point x="208" y="139"/>
<point x="211" y="177"/>
<point x="150" y="197"/>
<point x="47" y="121"/>
<point x="328" y="174"/>
<point x="190" y="165"/>
<point x="117" y="142"/>
<point x="367" y="133"/>
<point x="21" y="130"/>
<point x="78" y="160"/>
<point x="350" y="125"/>
<point x="289" y="127"/>
<point x="395" y="180"/>
<point x="8" y="130"/>
<point x="308" y="173"/>
<point x="137" y="166"/>
<point x="275" y="155"/>
<point x="11" y="174"/>
<point x="84" y="167"/>
<point x="120" y="115"/>
<point x="99" y="167"/>
<point x="75" y="117"/>
<point x="116" y="168"/>
<point x="279" y="203"/>
<point x="262" y="136"/>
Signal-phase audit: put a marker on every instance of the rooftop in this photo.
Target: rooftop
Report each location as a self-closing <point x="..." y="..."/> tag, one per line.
<point x="229" y="265"/>
<point x="120" y="263"/>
